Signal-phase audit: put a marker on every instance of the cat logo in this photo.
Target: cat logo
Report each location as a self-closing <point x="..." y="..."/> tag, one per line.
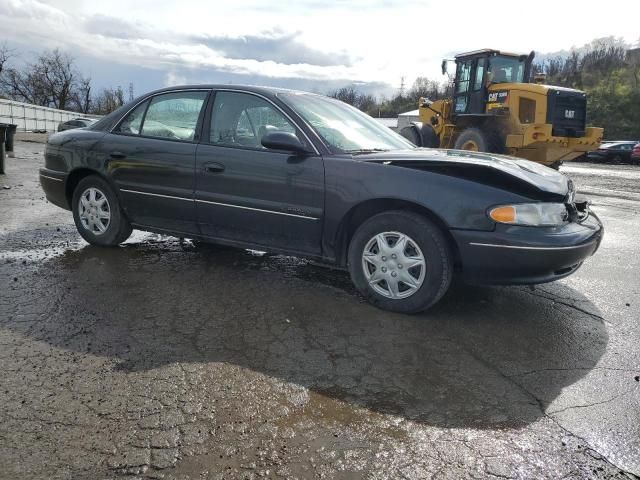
<point x="569" y="114"/>
<point x="498" y="97"/>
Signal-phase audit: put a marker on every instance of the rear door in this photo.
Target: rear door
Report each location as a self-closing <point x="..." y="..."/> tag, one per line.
<point x="248" y="194"/>
<point x="151" y="157"/>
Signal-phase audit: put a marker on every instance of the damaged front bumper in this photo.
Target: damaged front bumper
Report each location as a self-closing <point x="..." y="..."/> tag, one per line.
<point x="527" y="255"/>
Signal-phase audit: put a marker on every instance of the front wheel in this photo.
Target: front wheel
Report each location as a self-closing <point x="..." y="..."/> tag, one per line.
<point x="97" y="213"/>
<point x="400" y="261"/>
<point x="476" y="140"/>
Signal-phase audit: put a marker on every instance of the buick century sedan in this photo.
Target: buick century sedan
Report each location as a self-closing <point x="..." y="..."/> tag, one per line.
<point x="305" y="175"/>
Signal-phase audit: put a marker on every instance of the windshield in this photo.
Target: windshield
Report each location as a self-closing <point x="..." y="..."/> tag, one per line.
<point x="506" y="70"/>
<point x="344" y="127"/>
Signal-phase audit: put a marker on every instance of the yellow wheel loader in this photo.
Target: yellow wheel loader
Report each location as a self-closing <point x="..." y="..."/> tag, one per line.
<point x="495" y="108"/>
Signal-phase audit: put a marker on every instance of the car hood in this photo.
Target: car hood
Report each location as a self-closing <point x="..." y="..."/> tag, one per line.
<point x="501" y="171"/>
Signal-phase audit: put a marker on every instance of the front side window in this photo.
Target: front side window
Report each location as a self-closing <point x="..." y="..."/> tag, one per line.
<point x="241" y="120"/>
<point x="174" y="115"/>
<point x="132" y="122"/>
<point x="463" y="77"/>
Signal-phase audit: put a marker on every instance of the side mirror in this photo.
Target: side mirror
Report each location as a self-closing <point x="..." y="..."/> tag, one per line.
<point x="444" y="67"/>
<point x="283" y="141"/>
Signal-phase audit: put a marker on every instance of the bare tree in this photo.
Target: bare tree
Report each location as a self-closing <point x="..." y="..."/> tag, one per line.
<point x="49" y="81"/>
<point x="423" y="87"/>
<point x="107" y="101"/>
<point x="5" y="55"/>
<point x="346" y="94"/>
<point x="82" y="100"/>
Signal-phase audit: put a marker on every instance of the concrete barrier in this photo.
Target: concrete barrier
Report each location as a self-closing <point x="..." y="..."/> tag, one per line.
<point x="30" y="117"/>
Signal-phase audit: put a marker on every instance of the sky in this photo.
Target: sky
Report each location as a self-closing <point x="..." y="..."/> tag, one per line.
<point x="310" y="45"/>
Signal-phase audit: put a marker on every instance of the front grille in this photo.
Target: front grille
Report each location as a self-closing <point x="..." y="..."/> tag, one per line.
<point x="567" y="112"/>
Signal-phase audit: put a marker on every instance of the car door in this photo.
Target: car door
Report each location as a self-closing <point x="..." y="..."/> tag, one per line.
<point x="251" y="195"/>
<point x="150" y="156"/>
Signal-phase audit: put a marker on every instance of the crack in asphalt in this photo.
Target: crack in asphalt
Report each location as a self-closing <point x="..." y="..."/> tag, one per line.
<point x="615" y="397"/>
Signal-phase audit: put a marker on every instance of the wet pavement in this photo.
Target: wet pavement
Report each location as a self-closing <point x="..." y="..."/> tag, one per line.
<point x="169" y="359"/>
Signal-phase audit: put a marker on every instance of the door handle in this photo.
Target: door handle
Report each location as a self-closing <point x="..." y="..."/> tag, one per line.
<point x="214" y="167"/>
<point x="117" y="155"/>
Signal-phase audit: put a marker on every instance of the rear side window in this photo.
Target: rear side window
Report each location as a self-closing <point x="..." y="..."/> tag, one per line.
<point x="132" y="122"/>
<point x="174" y="115"/>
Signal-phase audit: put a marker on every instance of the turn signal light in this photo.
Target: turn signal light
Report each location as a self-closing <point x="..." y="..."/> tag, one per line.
<point x="503" y="214"/>
<point x="531" y="214"/>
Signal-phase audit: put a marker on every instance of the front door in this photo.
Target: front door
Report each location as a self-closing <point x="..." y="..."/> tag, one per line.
<point x="248" y="194"/>
<point x="151" y="157"/>
<point x="478" y="92"/>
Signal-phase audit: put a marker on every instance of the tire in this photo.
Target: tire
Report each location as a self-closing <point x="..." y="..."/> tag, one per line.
<point x="421" y="136"/>
<point x="617" y="160"/>
<point x="484" y="141"/>
<point x="429" y="137"/>
<point x="411" y="133"/>
<point x="90" y="219"/>
<point x="431" y="279"/>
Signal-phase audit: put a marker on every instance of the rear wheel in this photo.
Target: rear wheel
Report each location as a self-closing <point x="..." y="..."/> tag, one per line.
<point x="400" y="261"/>
<point x="97" y="213"/>
<point x="476" y="140"/>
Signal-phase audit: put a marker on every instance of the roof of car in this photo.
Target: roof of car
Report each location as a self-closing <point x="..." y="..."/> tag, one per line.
<point x="247" y="88"/>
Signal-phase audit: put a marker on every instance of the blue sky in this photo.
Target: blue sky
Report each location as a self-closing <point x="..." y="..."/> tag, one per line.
<point x="307" y="44"/>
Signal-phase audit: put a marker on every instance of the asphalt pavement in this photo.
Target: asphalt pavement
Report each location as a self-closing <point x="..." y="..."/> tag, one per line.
<point x="171" y="359"/>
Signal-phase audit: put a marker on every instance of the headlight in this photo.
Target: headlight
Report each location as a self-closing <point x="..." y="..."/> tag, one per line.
<point x="531" y="214"/>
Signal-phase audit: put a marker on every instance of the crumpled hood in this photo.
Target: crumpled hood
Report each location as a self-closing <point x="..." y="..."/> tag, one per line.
<point x="530" y="175"/>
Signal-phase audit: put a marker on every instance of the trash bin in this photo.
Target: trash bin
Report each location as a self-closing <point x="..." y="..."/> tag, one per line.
<point x="3" y="136"/>
<point x="11" y="131"/>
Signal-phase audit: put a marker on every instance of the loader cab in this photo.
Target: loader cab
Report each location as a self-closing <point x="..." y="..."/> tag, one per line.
<point x="477" y="71"/>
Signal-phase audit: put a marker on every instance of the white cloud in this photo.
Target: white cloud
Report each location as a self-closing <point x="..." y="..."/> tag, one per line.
<point x="378" y="41"/>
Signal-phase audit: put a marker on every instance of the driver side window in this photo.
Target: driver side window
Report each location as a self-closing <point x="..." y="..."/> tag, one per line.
<point x="131" y="124"/>
<point x="241" y="120"/>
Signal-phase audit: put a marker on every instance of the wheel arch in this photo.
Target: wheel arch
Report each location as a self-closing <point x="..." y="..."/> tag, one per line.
<point x="75" y="176"/>
<point x="361" y="212"/>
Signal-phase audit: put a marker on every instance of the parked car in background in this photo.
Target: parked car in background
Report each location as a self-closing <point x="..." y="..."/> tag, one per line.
<point x="307" y="175"/>
<point x="75" y="123"/>
<point x="613" y="152"/>
<point x="635" y="154"/>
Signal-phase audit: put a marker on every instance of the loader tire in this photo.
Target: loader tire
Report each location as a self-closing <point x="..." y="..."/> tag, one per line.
<point x="421" y="135"/>
<point x="477" y="140"/>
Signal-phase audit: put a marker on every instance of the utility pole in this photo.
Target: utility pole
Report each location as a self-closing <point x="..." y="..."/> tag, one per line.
<point x="130" y="91"/>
